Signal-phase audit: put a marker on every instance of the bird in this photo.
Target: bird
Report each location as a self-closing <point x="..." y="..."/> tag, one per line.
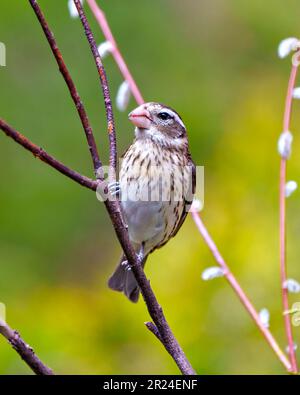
<point x="157" y="181"/>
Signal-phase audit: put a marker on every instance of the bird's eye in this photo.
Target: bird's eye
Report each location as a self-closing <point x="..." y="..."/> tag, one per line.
<point x="164" y="116"/>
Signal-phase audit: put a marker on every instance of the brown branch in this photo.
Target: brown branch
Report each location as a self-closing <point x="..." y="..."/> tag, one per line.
<point x="72" y="88"/>
<point x="24" y="350"/>
<point x="41" y="154"/>
<point x="155" y="310"/>
<point x="153" y="328"/>
<point x="168" y="339"/>
<point x="106" y="30"/>
<point x="105" y="91"/>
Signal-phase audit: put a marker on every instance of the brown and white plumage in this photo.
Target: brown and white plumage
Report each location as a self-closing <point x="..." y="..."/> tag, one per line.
<point x="157" y="182"/>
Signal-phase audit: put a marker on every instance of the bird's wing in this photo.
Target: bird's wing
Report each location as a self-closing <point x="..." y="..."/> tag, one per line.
<point x="188" y="198"/>
<point x="188" y="202"/>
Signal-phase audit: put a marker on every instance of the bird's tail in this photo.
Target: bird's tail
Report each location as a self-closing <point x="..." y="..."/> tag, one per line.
<point x="123" y="280"/>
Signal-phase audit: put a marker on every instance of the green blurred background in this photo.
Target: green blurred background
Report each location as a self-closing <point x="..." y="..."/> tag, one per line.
<point x="216" y="63"/>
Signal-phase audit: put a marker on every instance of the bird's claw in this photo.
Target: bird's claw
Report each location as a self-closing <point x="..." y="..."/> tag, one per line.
<point x="139" y="257"/>
<point x="126" y="265"/>
<point x="114" y="188"/>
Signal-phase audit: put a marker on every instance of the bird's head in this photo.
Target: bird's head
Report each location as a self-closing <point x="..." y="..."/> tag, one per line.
<point x="159" y="123"/>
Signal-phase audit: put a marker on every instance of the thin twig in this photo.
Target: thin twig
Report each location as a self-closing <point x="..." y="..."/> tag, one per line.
<point x="103" y="23"/>
<point x="168" y="339"/>
<point x="152" y="328"/>
<point x="101" y="19"/>
<point x="282" y="224"/>
<point x="112" y="206"/>
<point x="24" y="350"/>
<point x="154" y="309"/>
<point x="72" y="88"/>
<point x="105" y="91"/>
<point x="41" y="154"/>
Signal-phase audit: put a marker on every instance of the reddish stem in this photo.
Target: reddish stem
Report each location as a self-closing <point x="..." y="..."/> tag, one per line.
<point x="282" y="224"/>
<point x="289" y="98"/>
<point x="102" y="21"/>
<point x="239" y="291"/>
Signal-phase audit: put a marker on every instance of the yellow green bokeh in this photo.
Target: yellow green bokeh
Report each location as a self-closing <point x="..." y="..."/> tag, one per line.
<point x="216" y="63"/>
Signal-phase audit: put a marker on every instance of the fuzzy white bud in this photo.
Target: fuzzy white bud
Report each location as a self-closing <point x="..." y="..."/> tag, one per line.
<point x="196" y="206"/>
<point x="285" y="144"/>
<point x="72" y="8"/>
<point x="212" y="272"/>
<point x="287" y="349"/>
<point x="292" y="285"/>
<point x="286" y="46"/>
<point x="296" y="93"/>
<point x="264" y="316"/>
<point x="290" y="187"/>
<point x="123" y="96"/>
<point x="105" y="49"/>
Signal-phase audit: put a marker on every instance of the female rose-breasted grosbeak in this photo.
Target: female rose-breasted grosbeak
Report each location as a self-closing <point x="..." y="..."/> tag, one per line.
<point x="156" y="185"/>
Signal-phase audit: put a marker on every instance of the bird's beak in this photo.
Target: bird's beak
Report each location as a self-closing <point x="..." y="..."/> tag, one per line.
<point x="140" y="117"/>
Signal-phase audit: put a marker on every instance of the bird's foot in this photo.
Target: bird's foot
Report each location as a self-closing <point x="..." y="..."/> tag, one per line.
<point x="141" y="254"/>
<point x="126" y="265"/>
<point x="139" y="257"/>
<point x="114" y="188"/>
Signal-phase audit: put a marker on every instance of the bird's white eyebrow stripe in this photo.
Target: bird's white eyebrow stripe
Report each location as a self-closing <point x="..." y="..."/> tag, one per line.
<point x="174" y="115"/>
